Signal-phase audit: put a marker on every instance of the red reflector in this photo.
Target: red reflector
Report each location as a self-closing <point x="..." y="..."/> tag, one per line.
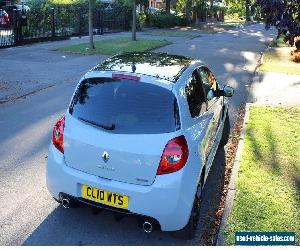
<point x="127" y="77"/>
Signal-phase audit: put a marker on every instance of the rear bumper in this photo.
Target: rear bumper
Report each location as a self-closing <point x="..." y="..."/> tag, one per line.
<point x="168" y="200"/>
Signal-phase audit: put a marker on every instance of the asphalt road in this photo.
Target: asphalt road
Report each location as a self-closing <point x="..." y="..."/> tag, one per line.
<point x="29" y="216"/>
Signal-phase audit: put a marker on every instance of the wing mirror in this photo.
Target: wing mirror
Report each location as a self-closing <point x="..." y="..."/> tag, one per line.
<point x="210" y="95"/>
<point x="228" y="91"/>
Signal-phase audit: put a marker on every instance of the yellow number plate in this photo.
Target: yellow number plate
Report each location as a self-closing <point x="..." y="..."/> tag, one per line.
<point x="105" y="197"/>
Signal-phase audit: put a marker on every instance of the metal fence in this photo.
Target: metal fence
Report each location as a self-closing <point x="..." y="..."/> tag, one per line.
<point x="60" y="22"/>
<point x="6" y="37"/>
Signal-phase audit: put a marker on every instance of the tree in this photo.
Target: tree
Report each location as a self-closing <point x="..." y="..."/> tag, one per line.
<point x="146" y="5"/>
<point x="248" y="8"/>
<point x="91" y="31"/>
<point x="189" y="10"/>
<point x="284" y="15"/>
<point x="168" y="6"/>
<point x="134" y="20"/>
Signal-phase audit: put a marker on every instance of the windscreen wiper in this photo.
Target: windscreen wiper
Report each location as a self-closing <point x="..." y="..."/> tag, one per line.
<point x="111" y="127"/>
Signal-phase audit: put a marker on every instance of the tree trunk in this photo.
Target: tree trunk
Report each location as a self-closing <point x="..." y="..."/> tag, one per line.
<point x="297" y="42"/>
<point x="168" y="6"/>
<point x="146" y="6"/>
<point x="248" y="6"/>
<point x="188" y="11"/>
<point x="91" y="32"/>
<point x="134" y="20"/>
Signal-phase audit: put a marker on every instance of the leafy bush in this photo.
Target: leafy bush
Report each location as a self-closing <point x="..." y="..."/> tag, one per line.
<point x="235" y="10"/>
<point x="284" y="15"/>
<point x="295" y="56"/>
<point x="38" y="4"/>
<point x="214" y="9"/>
<point x="233" y="16"/>
<point x="162" y="19"/>
<point x="71" y="17"/>
<point x="141" y="20"/>
<point x="46" y="4"/>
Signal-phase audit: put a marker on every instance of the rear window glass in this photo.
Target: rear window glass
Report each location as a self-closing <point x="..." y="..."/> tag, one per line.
<point x="125" y="106"/>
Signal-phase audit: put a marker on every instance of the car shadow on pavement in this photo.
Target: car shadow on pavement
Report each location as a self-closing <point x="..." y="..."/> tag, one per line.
<point x="81" y="226"/>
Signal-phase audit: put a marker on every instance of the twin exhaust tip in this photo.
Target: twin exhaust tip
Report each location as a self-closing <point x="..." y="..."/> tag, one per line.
<point x="147" y="227"/>
<point x="65" y="203"/>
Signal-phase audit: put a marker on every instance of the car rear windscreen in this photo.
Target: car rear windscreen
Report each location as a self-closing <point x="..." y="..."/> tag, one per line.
<point x="124" y="106"/>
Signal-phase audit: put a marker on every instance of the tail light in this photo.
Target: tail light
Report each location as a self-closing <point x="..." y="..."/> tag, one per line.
<point x="58" y="134"/>
<point x="174" y="157"/>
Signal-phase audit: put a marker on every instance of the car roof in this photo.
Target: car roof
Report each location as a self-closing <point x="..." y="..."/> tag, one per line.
<point x="159" y="65"/>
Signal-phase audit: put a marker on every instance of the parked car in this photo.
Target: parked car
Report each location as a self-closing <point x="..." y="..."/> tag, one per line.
<point x="21" y="7"/>
<point x="4" y="18"/>
<point x="139" y="137"/>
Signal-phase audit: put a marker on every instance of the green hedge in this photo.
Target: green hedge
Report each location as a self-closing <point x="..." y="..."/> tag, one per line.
<point x="72" y="19"/>
<point x="164" y="20"/>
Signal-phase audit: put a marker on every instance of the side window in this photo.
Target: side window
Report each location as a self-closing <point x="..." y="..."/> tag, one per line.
<point x="195" y="95"/>
<point x="209" y="82"/>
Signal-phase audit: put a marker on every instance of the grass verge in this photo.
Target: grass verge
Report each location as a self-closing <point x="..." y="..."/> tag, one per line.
<point x="115" y="46"/>
<point x="173" y="34"/>
<point x="235" y="22"/>
<point x="279" y="42"/>
<point x="268" y="185"/>
<point x="278" y="60"/>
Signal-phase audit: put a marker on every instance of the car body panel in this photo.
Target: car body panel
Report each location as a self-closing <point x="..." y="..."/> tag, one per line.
<point x="133" y="158"/>
<point x="167" y="198"/>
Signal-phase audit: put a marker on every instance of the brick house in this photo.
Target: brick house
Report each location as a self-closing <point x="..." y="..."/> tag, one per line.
<point x="158" y="4"/>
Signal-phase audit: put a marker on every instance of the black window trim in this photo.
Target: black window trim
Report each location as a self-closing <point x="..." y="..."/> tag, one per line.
<point x="206" y="103"/>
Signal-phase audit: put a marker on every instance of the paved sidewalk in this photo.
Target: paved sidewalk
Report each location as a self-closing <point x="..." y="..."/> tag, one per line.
<point x="276" y="89"/>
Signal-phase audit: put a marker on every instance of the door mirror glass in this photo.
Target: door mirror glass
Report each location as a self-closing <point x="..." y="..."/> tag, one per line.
<point x="210" y="95"/>
<point x="228" y="91"/>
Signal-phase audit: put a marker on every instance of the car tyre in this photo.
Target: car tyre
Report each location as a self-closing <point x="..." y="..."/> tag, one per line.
<point x="226" y="131"/>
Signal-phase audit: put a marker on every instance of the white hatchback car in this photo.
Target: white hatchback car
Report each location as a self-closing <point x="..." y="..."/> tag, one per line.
<point x="139" y="137"/>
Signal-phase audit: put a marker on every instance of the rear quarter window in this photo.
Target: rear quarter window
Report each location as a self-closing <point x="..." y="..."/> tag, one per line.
<point x="125" y="107"/>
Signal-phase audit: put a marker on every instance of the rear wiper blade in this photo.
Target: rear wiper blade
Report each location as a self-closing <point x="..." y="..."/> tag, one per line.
<point x="111" y="127"/>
